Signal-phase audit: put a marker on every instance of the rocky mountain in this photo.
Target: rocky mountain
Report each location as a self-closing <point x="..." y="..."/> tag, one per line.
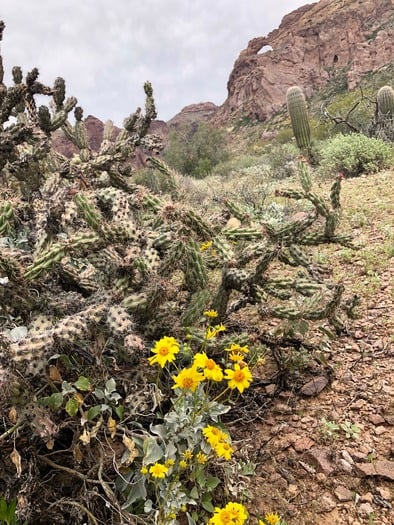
<point x="204" y="111"/>
<point x="312" y="45"/>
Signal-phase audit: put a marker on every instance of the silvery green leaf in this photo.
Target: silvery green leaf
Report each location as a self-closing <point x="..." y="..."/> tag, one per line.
<point x="152" y="451"/>
<point x="17" y="333"/>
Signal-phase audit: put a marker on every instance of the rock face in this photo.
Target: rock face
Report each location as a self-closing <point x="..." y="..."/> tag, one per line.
<point x="204" y="111"/>
<point x="312" y="44"/>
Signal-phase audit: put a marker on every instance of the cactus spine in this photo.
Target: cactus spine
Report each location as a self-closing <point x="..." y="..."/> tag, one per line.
<point x="298" y="112"/>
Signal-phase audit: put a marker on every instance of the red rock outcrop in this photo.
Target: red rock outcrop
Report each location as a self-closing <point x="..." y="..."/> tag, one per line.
<point x="311" y="45"/>
<point x="204" y="111"/>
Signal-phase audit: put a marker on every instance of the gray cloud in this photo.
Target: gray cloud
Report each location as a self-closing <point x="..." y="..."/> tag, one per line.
<point x="107" y="50"/>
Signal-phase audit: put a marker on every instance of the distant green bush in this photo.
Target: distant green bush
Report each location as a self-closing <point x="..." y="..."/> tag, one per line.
<point x="196" y="149"/>
<point x="354" y="155"/>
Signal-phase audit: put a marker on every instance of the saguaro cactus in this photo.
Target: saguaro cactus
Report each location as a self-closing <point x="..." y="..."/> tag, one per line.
<point x="385" y="99"/>
<point x="298" y="112"/>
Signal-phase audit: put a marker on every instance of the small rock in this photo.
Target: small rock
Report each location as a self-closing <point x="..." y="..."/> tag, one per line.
<point x="321" y="459"/>
<point x="382" y="468"/>
<point x="380" y="430"/>
<point x="303" y="444"/>
<point x="270" y="420"/>
<point x="292" y="490"/>
<point x="368" y="497"/>
<point x="377" y="419"/>
<point x="314" y="387"/>
<point x="365" y="509"/>
<point x="343" y="494"/>
<point x="321" y="478"/>
<point x="357" y="405"/>
<point x="347" y="457"/>
<point x="282" y="408"/>
<point x="345" y="466"/>
<point x="278" y="481"/>
<point x="326" y="504"/>
<point x="270" y="389"/>
<point x="384" y="493"/>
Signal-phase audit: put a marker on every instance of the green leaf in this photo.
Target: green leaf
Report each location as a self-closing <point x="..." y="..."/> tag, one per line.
<point x="72" y="407"/>
<point x="206" y="502"/>
<point x="119" y="411"/>
<point x="67" y="388"/>
<point x="137" y="492"/>
<point x="194" y="493"/>
<point x="201" y="479"/>
<point x="152" y="451"/>
<point x="11" y="512"/>
<point x="53" y="402"/>
<point x="190" y="520"/>
<point x="248" y="469"/>
<point x="3" y="508"/>
<point x="93" y="412"/>
<point x="83" y="383"/>
<point x="212" y="482"/>
<point x="110" y="385"/>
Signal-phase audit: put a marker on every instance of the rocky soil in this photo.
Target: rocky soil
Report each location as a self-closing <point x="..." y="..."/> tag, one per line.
<point x="316" y="473"/>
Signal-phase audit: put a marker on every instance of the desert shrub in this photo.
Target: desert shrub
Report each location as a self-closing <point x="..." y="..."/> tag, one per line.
<point x="354" y="155"/>
<point x="152" y="179"/>
<point x="195" y="149"/>
<point x="233" y="164"/>
<point x="281" y="160"/>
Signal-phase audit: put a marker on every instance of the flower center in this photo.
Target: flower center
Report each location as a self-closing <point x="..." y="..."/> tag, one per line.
<point x="225" y="516"/>
<point x="210" y="364"/>
<point x="187" y="382"/>
<point x="239" y="376"/>
<point x="164" y="350"/>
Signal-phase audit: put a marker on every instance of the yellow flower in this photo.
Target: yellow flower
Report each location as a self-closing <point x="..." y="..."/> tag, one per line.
<point x="239" y="378"/>
<point x="223" y="450"/>
<point x="232" y="514"/>
<point x="211" y="313"/>
<point x="214" y="435"/>
<point x="165" y="349"/>
<point x="201" y="458"/>
<point x="271" y="519"/>
<point x="169" y="462"/>
<point x="188" y="379"/>
<point x="188" y="454"/>
<point x="158" y="470"/>
<point x="213" y="331"/>
<point x="144" y="470"/>
<point x="183" y="463"/>
<point x="205" y="246"/>
<point x="211" y="369"/>
<point x="235" y="347"/>
<point x="220" y="328"/>
<point x="236" y="357"/>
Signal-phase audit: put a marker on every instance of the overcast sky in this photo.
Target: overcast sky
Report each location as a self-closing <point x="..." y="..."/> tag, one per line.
<point x="107" y="49"/>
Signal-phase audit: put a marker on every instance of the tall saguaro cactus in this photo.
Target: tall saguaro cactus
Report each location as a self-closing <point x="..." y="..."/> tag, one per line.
<point x="298" y="112"/>
<point x="385" y="99"/>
